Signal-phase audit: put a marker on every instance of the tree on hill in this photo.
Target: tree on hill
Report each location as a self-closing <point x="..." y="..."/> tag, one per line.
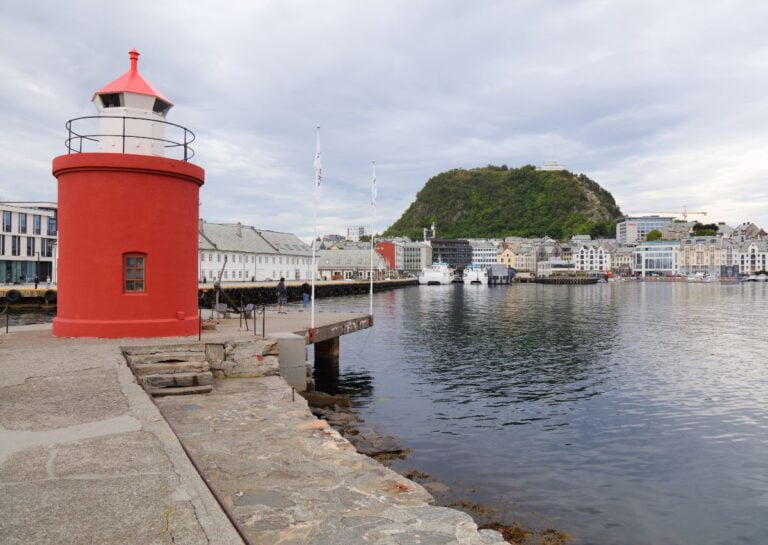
<point x="498" y="201"/>
<point x="653" y="235"/>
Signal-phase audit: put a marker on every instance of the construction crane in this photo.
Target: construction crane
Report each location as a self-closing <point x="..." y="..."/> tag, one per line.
<point x="685" y="213"/>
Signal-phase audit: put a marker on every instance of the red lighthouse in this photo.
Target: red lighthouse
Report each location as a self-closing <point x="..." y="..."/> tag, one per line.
<point x="128" y="218"/>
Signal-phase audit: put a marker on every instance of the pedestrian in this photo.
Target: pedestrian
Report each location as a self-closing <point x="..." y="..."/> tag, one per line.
<point x="282" y="297"/>
<point x="37" y="281"/>
<point x="306" y="294"/>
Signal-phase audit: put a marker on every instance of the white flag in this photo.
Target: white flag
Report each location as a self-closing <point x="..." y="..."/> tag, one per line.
<point x="373" y="189"/>
<point x="318" y="164"/>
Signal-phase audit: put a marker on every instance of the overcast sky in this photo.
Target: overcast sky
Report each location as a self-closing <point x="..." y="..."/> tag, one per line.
<point x="662" y="103"/>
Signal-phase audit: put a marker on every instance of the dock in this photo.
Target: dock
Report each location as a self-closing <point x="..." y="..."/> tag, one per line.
<point x="249" y="292"/>
<point x="87" y="456"/>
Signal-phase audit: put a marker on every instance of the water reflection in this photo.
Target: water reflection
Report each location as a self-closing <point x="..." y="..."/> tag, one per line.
<point x="633" y="413"/>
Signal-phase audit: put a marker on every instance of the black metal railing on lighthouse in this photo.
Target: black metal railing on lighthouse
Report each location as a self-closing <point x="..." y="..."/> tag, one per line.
<point x="82" y="139"/>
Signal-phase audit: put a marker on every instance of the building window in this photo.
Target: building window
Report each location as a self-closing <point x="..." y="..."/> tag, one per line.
<point x="36" y="222"/>
<point x="2" y="244"/>
<point x="23" y="223"/>
<point x="51" y="227"/>
<point x="134" y="267"/>
<point x="6" y="221"/>
<point x="15" y="245"/>
<point x="30" y="246"/>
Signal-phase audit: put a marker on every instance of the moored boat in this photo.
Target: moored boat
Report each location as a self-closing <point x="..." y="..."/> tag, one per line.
<point x="700" y="277"/>
<point x="438" y="273"/>
<point x="475" y="274"/>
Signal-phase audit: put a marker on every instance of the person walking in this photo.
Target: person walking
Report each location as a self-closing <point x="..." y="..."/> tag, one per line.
<point x="306" y="294"/>
<point x="282" y="297"/>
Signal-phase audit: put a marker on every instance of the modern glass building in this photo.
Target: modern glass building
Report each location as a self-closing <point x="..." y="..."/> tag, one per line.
<point x="657" y="258"/>
<point x="28" y="236"/>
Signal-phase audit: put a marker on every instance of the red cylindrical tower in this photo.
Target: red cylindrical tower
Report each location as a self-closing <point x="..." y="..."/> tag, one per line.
<point x="128" y="219"/>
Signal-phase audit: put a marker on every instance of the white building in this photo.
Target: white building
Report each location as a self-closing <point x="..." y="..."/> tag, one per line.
<point x="416" y="256"/>
<point x="241" y="253"/>
<point x="753" y="256"/>
<point x="633" y="229"/>
<point x="354" y="232"/>
<point x="553" y="266"/>
<point x="484" y="253"/>
<point x="350" y="265"/>
<point x="592" y="256"/>
<point x="28" y="240"/>
<point x="657" y="258"/>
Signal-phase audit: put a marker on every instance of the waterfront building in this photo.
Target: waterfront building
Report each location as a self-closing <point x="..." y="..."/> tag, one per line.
<point x="393" y="252"/>
<point x="241" y="253"/>
<point x="28" y="240"/>
<point x="729" y="257"/>
<point x="518" y="256"/>
<point x="753" y="256"/>
<point x="483" y="252"/>
<point x="701" y="255"/>
<point x="657" y="258"/>
<point x="457" y="253"/>
<point x="554" y="266"/>
<point x="622" y="260"/>
<point x="128" y="218"/>
<point x="416" y="256"/>
<point x="350" y="265"/>
<point x="593" y="256"/>
<point x="633" y="229"/>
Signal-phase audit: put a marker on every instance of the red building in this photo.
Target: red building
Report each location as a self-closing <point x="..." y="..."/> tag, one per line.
<point x="388" y="251"/>
<point x="128" y="218"/>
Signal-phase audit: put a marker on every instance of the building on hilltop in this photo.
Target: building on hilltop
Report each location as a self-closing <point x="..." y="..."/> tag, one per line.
<point x="241" y="253"/>
<point x="634" y="229"/>
<point x="28" y="240"/>
<point x="355" y="232"/>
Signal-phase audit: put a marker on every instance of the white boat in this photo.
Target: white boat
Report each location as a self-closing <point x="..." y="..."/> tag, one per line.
<point x="700" y="277"/>
<point x="438" y="273"/>
<point x="757" y="278"/>
<point x="475" y="274"/>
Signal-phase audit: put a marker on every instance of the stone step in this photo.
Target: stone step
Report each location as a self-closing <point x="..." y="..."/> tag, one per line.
<point x="170" y="368"/>
<point x="188" y="390"/>
<point x="178" y="379"/>
<point x="162" y="349"/>
<point x="166" y="357"/>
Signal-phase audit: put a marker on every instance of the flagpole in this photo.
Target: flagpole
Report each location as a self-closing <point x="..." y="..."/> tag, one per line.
<point x="373" y="215"/>
<point x="318" y="180"/>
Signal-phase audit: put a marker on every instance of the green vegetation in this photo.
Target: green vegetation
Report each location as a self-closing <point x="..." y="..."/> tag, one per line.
<point x="653" y="235"/>
<point x="708" y="230"/>
<point x="497" y="201"/>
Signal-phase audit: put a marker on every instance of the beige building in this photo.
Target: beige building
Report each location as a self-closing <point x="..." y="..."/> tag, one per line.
<point x="519" y="257"/>
<point x="701" y="255"/>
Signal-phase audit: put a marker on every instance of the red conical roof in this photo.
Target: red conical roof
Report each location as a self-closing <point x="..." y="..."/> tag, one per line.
<point x="132" y="82"/>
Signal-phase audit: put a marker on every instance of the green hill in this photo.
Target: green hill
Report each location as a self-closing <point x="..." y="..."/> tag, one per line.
<point x="499" y="201"/>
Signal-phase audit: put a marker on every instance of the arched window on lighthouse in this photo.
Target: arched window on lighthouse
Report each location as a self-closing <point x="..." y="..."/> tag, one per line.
<point x="134" y="272"/>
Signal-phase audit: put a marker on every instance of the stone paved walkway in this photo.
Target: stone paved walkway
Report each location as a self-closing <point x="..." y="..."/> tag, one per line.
<point x="85" y="456"/>
<point x="291" y="479"/>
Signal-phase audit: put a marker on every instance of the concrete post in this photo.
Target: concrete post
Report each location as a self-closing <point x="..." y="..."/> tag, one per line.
<point x="293" y="357"/>
<point x="327" y="364"/>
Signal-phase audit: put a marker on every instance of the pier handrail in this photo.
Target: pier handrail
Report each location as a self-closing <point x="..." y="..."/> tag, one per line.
<point x="7" y="315"/>
<point x="74" y="141"/>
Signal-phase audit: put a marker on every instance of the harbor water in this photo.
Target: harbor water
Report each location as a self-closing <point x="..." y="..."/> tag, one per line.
<point x="621" y="414"/>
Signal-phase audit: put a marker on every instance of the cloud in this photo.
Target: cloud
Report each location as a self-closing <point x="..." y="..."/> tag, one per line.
<point x="660" y="103"/>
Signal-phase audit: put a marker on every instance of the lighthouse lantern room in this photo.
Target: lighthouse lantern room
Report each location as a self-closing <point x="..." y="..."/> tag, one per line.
<point x="128" y="219"/>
